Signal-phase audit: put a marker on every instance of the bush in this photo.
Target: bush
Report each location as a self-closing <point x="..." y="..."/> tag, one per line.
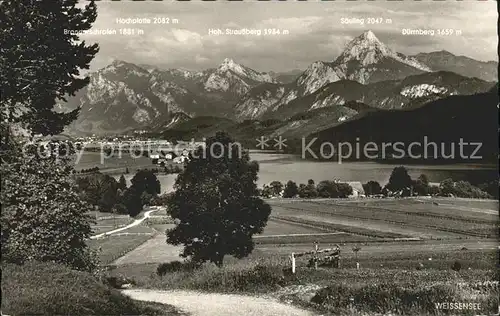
<point x="456" y="266"/>
<point x="257" y="278"/>
<point x="384" y="298"/>
<point x="117" y="282"/>
<point x="175" y="266"/>
<point x="53" y="289"/>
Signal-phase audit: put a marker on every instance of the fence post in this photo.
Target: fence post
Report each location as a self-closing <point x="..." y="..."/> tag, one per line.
<point x="316" y="255"/>
<point x="292" y="258"/>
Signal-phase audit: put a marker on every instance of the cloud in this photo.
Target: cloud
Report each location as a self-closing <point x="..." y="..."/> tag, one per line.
<point x="186" y="37"/>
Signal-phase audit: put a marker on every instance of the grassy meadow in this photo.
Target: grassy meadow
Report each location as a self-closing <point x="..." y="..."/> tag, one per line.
<point x="407" y="249"/>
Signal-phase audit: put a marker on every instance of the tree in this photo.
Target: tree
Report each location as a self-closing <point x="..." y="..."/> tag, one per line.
<point x="447" y="187"/>
<point x="132" y="199"/>
<point x="122" y="183"/>
<point x="466" y="190"/>
<point x="146" y="181"/>
<point x="345" y="190"/>
<point x="276" y="188"/>
<point x="120" y="209"/>
<point x="328" y="189"/>
<point x="434" y="190"/>
<point x="216" y="203"/>
<point x="291" y="190"/>
<point x="266" y="191"/>
<point x="43" y="217"/>
<point x="421" y="185"/>
<point x="40" y="61"/>
<point x="372" y="188"/>
<point x="308" y="190"/>
<point x="491" y="187"/>
<point x="399" y="179"/>
<point x="100" y="190"/>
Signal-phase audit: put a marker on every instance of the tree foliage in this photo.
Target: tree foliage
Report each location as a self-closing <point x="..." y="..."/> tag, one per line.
<point x="291" y="189"/>
<point x="276" y="188"/>
<point x="122" y="183"/>
<point x="399" y="179"/>
<point x="40" y="60"/>
<point x="43" y="217"/>
<point x="146" y="181"/>
<point x="328" y="189"/>
<point x="372" y="188"/>
<point x="344" y="190"/>
<point x="308" y="191"/>
<point x="100" y="190"/>
<point x="421" y="185"/>
<point x="216" y="203"/>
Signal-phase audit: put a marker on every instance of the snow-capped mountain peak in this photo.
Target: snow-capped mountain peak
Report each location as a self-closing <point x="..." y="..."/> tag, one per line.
<point x="229" y="64"/>
<point x="230" y="75"/>
<point x="367" y="49"/>
<point x="369" y="36"/>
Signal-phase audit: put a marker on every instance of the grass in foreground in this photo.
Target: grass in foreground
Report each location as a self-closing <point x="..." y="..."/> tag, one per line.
<point x="401" y="289"/>
<point x="53" y="289"/>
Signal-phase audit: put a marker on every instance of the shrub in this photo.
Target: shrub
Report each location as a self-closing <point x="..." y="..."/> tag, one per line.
<point x="117" y="282"/>
<point x="258" y="278"/>
<point x="385" y="298"/>
<point x="456" y="266"/>
<point x="175" y="266"/>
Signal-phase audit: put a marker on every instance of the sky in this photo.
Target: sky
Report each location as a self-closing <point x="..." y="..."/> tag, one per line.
<point x="316" y="31"/>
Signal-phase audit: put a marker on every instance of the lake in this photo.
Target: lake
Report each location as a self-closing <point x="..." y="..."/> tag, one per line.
<point x="284" y="167"/>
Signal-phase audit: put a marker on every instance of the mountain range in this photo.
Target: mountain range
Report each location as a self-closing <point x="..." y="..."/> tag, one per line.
<point x="124" y="96"/>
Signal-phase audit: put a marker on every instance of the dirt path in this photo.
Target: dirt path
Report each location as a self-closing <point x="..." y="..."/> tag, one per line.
<point x="134" y="223"/>
<point x="203" y="304"/>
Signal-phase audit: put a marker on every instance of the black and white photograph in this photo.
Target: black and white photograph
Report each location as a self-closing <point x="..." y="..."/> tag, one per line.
<point x="241" y="158"/>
